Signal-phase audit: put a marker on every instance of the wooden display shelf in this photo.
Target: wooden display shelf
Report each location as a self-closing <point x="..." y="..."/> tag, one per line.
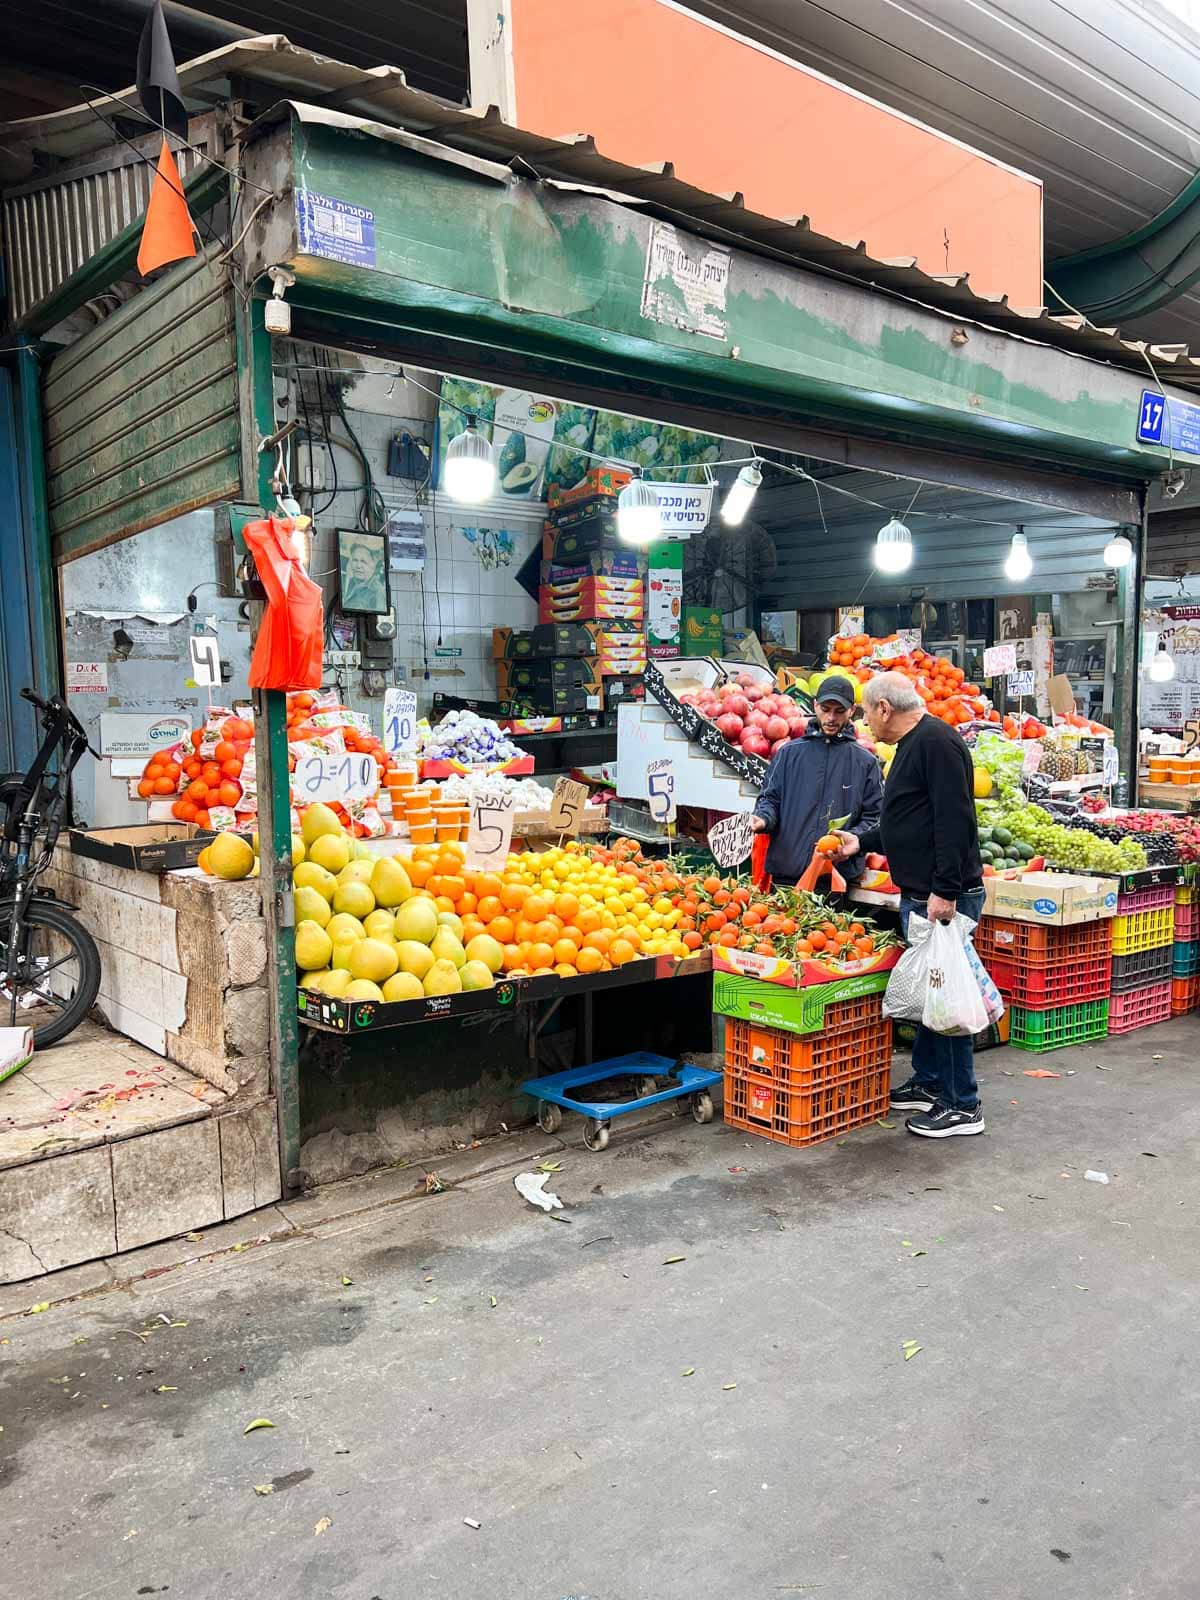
<point x="1174" y="796"/>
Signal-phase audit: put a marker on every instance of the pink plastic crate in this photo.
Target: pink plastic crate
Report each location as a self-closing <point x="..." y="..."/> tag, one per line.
<point x="1146" y="899"/>
<point x="1139" y="1008"/>
<point x="1187" y="922"/>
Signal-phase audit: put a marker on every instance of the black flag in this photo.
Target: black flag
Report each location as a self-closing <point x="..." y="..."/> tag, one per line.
<point x="157" y="81"/>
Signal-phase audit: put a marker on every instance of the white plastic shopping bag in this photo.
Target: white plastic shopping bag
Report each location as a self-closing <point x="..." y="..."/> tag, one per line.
<point x="904" y="997"/>
<point x="953" y="1002"/>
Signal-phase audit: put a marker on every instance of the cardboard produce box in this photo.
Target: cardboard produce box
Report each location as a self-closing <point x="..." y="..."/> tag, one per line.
<point x="611" y="638"/>
<point x="702" y="633"/>
<point x="510" y="644"/>
<point x="1060" y="899"/>
<point x="794" y="1010"/>
<point x="146" y="846"/>
<point x="597" y="482"/>
<point x="802" y="974"/>
<point x="591" y="603"/>
<point x="552" y="672"/>
<point x="614" y="566"/>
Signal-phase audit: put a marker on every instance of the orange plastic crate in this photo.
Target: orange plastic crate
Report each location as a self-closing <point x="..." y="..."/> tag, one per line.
<point x="1005" y="939"/>
<point x="1185" y="995"/>
<point x="799" y="1090"/>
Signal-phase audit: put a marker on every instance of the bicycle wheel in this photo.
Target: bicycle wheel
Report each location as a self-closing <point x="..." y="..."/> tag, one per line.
<point x="57" y="974"/>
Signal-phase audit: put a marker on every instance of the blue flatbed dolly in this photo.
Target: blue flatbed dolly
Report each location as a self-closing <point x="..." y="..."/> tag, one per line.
<point x="553" y="1093"/>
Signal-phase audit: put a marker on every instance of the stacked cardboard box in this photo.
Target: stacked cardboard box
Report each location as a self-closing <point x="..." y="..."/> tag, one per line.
<point x="588" y="650"/>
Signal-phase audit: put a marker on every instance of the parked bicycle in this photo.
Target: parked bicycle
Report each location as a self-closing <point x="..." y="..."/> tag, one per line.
<point x="49" y="963"/>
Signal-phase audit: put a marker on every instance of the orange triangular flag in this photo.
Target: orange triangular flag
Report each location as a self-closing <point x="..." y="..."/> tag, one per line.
<point x="168" y="233"/>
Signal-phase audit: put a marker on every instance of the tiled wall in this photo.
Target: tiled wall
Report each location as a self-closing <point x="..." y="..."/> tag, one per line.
<point x="457" y="599"/>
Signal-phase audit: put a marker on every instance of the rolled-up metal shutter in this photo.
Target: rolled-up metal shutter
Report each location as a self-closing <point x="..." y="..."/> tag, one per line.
<point x="141" y="414"/>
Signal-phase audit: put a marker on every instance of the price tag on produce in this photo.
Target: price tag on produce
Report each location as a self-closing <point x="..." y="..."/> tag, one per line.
<point x="660" y="789"/>
<point x="1191" y="734"/>
<point x="999" y="660"/>
<point x="334" y="777"/>
<point x="566" y="808"/>
<point x="1033" y="757"/>
<point x="1020" y="684"/>
<point x="221" y="819"/>
<point x="206" y="660"/>
<point x="1112" y="766"/>
<point x="731" y="840"/>
<point x="490" y="835"/>
<point x="399" y="722"/>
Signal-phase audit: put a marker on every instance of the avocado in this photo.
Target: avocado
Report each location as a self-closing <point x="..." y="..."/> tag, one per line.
<point x="520" y="479"/>
<point x="511" y="455"/>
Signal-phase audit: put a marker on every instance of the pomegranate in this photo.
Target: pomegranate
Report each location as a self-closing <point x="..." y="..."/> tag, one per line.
<point x="755" y="691"/>
<point x="730" y="726"/>
<point x="777" y="747"/>
<point x="738" y="705"/>
<point x="776" y="729"/>
<point x="754" y="744"/>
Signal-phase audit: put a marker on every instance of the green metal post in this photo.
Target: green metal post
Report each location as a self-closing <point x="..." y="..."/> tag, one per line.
<point x="274" y="799"/>
<point x="43" y="625"/>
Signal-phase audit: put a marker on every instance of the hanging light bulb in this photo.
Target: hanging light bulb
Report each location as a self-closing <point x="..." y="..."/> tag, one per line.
<point x="470" y="466"/>
<point x="741" y="493"/>
<point x="1118" y="552"/>
<point x="639" y="519"/>
<point x="1020" y="563"/>
<point x="1162" y="665"/>
<point x="893" y="547"/>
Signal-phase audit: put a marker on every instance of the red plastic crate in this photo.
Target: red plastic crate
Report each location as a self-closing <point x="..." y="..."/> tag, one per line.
<point x="1038" y="987"/>
<point x="1004" y="939"/>
<point x="1139" y="1008"/>
<point x="1185" y="995"/>
<point x="802" y="1090"/>
<point x="1187" y="923"/>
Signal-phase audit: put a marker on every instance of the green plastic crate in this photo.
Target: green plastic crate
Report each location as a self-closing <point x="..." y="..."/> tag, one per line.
<point x="1063" y="1025"/>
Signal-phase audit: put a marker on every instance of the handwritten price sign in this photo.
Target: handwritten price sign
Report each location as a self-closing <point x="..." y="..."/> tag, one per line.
<point x="334" y="778"/>
<point x="490" y="835"/>
<point x="999" y="660"/>
<point x="399" y="722"/>
<point x="566" y="808"/>
<point x="731" y="840"/>
<point x="660" y="789"/>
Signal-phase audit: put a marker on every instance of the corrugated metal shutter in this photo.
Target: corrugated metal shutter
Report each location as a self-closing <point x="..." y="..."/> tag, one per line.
<point x="142" y="413"/>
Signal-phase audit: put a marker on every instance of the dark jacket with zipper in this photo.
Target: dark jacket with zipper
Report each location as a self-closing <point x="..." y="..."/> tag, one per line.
<point x="928" y="826"/>
<point x="811" y="784"/>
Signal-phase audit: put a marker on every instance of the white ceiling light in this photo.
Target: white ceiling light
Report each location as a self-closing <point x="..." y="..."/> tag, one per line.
<point x="893" y="547"/>
<point x="1162" y="665"/>
<point x="639" y="519"/>
<point x="1118" y="552"/>
<point x="741" y="493"/>
<point x="1020" y="563"/>
<point x="470" y="467"/>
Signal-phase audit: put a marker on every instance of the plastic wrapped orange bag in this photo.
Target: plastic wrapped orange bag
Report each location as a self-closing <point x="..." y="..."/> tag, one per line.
<point x="288" y="650"/>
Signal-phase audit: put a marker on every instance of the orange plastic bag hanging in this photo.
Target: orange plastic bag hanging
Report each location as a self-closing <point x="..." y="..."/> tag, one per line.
<point x="816" y="870"/>
<point x="759" y="876"/>
<point x="289" y="648"/>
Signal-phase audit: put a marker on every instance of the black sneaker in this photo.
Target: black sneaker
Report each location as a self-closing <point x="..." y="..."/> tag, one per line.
<point x="941" y="1123"/>
<point x="912" y="1096"/>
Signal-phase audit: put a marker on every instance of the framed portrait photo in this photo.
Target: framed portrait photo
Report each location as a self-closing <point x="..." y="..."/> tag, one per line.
<point x="362" y="573"/>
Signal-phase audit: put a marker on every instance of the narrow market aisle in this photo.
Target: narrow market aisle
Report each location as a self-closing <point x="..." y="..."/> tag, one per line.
<point x="740" y="1422"/>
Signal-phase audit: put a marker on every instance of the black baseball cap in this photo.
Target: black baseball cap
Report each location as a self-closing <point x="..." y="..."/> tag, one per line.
<point x="839" y="689"/>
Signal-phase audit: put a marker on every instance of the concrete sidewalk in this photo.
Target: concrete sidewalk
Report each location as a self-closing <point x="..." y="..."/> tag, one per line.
<point x="741" y="1422"/>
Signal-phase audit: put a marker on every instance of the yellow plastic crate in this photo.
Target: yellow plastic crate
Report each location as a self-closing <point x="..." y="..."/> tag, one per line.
<point x="1143" y="930"/>
<point x="1187" y="894"/>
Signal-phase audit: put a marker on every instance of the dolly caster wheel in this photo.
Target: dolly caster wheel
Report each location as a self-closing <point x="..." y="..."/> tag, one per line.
<point x="549" y="1116"/>
<point x="702" y="1107"/>
<point x="595" y="1134"/>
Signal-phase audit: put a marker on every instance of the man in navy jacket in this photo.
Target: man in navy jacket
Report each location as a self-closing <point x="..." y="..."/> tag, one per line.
<point x="816" y="781"/>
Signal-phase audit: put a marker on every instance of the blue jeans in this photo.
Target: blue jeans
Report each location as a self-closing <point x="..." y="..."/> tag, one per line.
<point x="945" y="1063"/>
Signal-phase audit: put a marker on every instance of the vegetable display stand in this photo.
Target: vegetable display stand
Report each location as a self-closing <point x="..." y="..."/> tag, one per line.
<point x="683" y="1080"/>
<point x="1139" y="1008"/>
<point x="1040" y="1031"/>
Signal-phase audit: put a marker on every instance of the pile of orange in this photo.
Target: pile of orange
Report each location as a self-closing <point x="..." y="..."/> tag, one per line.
<point x="200" y="780"/>
<point x="564" y="910"/>
<point x="941" y="684"/>
<point x="849" y="651"/>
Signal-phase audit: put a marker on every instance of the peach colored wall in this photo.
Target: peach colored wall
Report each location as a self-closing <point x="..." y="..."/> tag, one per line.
<point x="653" y="84"/>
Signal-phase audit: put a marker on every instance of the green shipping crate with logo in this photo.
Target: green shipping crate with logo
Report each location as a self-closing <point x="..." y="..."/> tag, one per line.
<point x="772" y="1005"/>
